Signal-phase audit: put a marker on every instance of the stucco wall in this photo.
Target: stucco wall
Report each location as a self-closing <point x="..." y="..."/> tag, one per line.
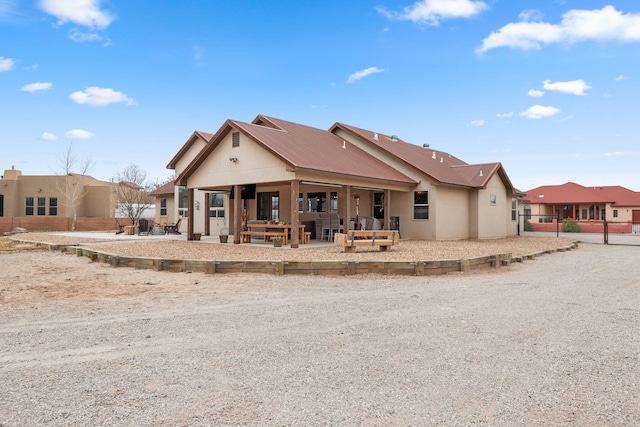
<point x="493" y="221"/>
<point x="452" y="213"/>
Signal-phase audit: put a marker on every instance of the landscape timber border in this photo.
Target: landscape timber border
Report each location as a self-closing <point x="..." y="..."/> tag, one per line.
<point x="326" y="268"/>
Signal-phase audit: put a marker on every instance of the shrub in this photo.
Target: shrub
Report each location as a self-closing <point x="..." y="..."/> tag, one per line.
<point x="527" y="225"/>
<point x="570" y="226"/>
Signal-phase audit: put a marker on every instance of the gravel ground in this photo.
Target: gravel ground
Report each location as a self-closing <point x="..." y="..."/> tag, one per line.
<point x="552" y="341"/>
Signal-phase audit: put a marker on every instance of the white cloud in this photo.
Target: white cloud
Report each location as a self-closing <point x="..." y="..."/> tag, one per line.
<point x="621" y="77"/>
<point x="574" y="87"/>
<point x="477" y="123"/>
<point x="539" y="112"/>
<point x="364" y="73"/>
<point x="530" y="15"/>
<point x="504" y="115"/>
<point x="48" y="136"/>
<point x="98" y="96"/>
<point x="6" y="64"/>
<point x="81" y="37"/>
<point x="78" y="134"/>
<point x="431" y="12"/>
<point x="86" y="13"/>
<point x="535" y="93"/>
<point x="36" y="87"/>
<point x="576" y="26"/>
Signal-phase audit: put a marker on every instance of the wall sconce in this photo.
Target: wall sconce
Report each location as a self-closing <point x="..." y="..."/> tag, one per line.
<point x="233" y="159"/>
<point x="39" y="190"/>
<point x="197" y="204"/>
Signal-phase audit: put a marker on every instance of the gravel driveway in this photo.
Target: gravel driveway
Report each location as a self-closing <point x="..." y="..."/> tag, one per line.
<point x="553" y="341"/>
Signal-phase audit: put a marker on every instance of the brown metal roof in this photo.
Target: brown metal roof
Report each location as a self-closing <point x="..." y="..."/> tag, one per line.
<point x="441" y="167"/>
<point x="192" y="139"/>
<point x="305" y="148"/>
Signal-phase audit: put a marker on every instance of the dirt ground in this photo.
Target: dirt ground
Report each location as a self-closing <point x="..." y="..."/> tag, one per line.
<point x="552" y="341"/>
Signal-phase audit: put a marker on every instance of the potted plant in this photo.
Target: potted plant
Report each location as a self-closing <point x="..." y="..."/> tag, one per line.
<point x="224" y="235"/>
<point x="277" y="241"/>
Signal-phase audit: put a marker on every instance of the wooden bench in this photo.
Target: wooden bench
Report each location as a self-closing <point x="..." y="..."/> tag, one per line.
<point x="353" y="239"/>
<point x="266" y="235"/>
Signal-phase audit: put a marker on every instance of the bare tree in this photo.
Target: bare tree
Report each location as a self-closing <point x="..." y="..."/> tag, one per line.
<point x="132" y="193"/>
<point x="72" y="176"/>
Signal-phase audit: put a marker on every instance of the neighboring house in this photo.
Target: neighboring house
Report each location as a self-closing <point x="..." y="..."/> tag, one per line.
<point x="37" y="199"/>
<point x="584" y="204"/>
<point x="278" y="170"/>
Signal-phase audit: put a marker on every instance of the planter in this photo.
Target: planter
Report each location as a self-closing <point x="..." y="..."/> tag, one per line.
<point x="197" y="236"/>
<point x="130" y="230"/>
<point x="277" y="242"/>
<point x="223" y="238"/>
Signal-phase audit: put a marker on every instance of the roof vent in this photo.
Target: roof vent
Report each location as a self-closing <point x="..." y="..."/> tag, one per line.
<point x="375" y="136"/>
<point x="344" y="144"/>
<point x="480" y="172"/>
<point x="394" y="138"/>
<point x="425" y="145"/>
<point x="441" y="160"/>
<point x="433" y="155"/>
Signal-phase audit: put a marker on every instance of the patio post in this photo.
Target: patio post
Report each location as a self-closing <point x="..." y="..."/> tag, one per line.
<point x="345" y="207"/>
<point x="190" y="213"/>
<point x="237" y="214"/>
<point x="295" y="216"/>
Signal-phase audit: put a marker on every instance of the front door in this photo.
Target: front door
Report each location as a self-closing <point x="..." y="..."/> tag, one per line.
<point x="635" y="219"/>
<point x="269" y="206"/>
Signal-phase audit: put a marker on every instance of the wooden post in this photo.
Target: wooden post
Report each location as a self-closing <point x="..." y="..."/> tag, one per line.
<point x="387" y="210"/>
<point x="207" y="203"/>
<point x="190" y="214"/>
<point x="345" y="207"/>
<point x="295" y="215"/>
<point x="237" y="214"/>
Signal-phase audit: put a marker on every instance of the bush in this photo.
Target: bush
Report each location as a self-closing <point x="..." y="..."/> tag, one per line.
<point x="527" y="225"/>
<point x="570" y="226"/>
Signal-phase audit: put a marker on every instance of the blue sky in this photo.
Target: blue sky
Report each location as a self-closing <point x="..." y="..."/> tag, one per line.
<point x="549" y="88"/>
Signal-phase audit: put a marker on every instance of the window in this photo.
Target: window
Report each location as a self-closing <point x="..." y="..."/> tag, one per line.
<point x="183" y="201"/>
<point x="378" y="205"/>
<point x="216" y="205"/>
<point x="316" y="202"/>
<point x="28" y="210"/>
<point x="235" y="139"/>
<point x="591" y="212"/>
<point x="493" y="199"/>
<point x="268" y="205"/>
<point x="300" y="203"/>
<point x="584" y="214"/>
<point x="603" y="215"/>
<point x="615" y="213"/>
<point x="527" y="212"/>
<point x="333" y="201"/>
<point x="514" y="209"/>
<point x="420" y="205"/>
<point x="577" y="214"/>
<point x="163" y="207"/>
<point x="53" y="206"/>
<point x="42" y="206"/>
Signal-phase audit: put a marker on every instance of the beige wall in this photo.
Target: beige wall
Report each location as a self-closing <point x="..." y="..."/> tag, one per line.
<point x="452" y="213"/>
<point x="492" y="222"/>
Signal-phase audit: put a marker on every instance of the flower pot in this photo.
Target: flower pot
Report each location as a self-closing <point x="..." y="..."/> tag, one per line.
<point x="277" y="242"/>
<point x="197" y="236"/>
<point x="130" y="230"/>
<point x="223" y="238"/>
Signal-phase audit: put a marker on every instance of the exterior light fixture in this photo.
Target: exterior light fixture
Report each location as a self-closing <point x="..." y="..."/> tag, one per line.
<point x="233" y="159"/>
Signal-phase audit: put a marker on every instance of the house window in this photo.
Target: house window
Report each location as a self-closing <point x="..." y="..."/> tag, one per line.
<point x="591" y="212"/>
<point x="300" y="202"/>
<point x="493" y="199"/>
<point x="378" y="205"/>
<point x="615" y="213"/>
<point x="216" y="206"/>
<point x="316" y="202"/>
<point x="603" y="215"/>
<point x="514" y="209"/>
<point x="420" y="205"/>
<point x="53" y="206"/>
<point x="577" y="214"/>
<point x="235" y="139"/>
<point x="28" y="210"/>
<point x="333" y="201"/>
<point x="163" y="207"/>
<point x="527" y="212"/>
<point x="584" y="214"/>
<point x="183" y="201"/>
<point x="42" y="206"/>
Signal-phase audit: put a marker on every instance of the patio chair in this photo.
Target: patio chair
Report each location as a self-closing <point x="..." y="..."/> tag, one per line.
<point x="173" y="228"/>
<point x="120" y="227"/>
<point x="144" y="227"/>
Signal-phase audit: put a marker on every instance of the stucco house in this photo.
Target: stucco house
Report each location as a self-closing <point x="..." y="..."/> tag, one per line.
<point x="37" y="202"/>
<point x="274" y="169"/>
<point x="584" y="204"/>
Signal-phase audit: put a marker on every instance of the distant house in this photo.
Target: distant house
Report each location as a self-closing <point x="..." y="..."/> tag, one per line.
<point x="37" y="200"/>
<point x="584" y="204"/>
<point x="274" y="169"/>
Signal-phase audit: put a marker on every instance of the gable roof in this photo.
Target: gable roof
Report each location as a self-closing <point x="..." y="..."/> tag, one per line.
<point x="571" y="192"/>
<point x="439" y="166"/>
<point x="303" y="148"/>
<point x="192" y="139"/>
<point x="167" y="188"/>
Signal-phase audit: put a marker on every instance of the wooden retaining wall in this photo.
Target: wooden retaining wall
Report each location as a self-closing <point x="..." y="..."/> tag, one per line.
<point x="325" y="268"/>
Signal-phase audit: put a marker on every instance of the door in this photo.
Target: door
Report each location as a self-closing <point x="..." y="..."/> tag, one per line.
<point x="635" y="220"/>
<point x="1" y="204"/>
<point x="269" y="206"/>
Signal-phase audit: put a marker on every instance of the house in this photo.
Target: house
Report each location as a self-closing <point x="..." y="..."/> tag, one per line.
<point x="38" y="202"/>
<point x="586" y="205"/>
<point x="273" y="169"/>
